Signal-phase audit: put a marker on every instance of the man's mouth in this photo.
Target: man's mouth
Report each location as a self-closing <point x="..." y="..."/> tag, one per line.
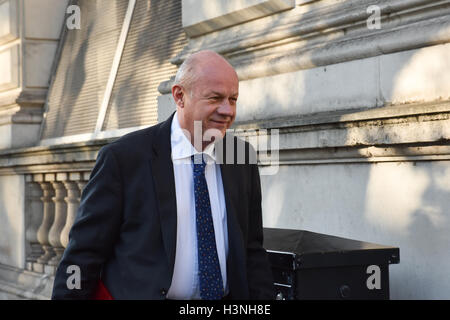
<point x="219" y="122"/>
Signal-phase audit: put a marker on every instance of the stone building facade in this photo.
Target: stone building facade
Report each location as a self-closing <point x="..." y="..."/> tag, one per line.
<point x="359" y="91"/>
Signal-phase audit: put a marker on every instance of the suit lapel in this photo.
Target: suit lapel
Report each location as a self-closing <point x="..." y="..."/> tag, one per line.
<point x="163" y="176"/>
<point x="229" y="178"/>
<point x="229" y="188"/>
<point x="235" y="262"/>
<point x="230" y="192"/>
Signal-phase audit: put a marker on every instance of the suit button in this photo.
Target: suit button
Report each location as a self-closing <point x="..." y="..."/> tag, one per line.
<point x="345" y="291"/>
<point x="163" y="292"/>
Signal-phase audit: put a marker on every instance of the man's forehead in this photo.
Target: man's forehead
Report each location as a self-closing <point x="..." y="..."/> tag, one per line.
<point x="220" y="92"/>
<point x="214" y="74"/>
<point x="213" y="65"/>
<point x="217" y="87"/>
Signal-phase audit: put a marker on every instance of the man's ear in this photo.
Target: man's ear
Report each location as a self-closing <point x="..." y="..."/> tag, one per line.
<point x="178" y="95"/>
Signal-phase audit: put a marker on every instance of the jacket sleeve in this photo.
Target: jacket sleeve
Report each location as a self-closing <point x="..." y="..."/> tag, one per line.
<point x="94" y="232"/>
<point x="259" y="273"/>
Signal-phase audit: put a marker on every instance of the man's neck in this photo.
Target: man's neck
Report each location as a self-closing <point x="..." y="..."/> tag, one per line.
<point x="199" y="144"/>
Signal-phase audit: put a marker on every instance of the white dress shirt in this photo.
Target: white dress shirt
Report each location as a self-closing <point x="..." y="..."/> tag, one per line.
<point x="185" y="283"/>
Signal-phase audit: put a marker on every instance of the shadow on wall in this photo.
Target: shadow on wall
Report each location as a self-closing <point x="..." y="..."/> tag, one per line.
<point x="153" y="39"/>
<point x="429" y="234"/>
<point x="87" y="53"/>
<point x="408" y="203"/>
<point x="73" y="84"/>
<point x="65" y="98"/>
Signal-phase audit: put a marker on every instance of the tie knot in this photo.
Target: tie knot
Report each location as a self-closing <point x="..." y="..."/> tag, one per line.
<point x="199" y="163"/>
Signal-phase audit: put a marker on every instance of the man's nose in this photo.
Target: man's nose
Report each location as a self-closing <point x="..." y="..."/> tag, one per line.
<point x="226" y="108"/>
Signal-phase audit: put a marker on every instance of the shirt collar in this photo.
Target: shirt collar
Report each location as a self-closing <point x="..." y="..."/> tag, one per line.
<point x="182" y="148"/>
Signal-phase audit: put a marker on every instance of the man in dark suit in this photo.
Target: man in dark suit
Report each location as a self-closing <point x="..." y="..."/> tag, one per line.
<point x="166" y="214"/>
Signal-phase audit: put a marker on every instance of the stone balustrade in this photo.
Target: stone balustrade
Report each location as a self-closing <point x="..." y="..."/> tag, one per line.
<point x="52" y="201"/>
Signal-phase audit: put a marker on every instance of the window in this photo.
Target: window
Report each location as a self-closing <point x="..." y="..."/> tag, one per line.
<point x="154" y="36"/>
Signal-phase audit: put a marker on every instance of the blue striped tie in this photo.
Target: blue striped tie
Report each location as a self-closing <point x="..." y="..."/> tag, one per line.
<point x="210" y="276"/>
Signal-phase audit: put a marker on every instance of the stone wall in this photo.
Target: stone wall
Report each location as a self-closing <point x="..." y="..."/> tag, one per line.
<point x="363" y="116"/>
<point x="29" y="35"/>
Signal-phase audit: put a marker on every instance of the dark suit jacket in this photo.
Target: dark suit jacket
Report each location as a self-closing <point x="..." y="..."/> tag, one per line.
<point x="124" y="235"/>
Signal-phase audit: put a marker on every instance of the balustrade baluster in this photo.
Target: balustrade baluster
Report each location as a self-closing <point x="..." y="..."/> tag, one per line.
<point x="73" y="201"/>
<point x="47" y="221"/>
<point x="59" y="221"/>
<point x="34" y="214"/>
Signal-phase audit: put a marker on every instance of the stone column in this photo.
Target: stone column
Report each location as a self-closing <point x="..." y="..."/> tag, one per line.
<point x="54" y="235"/>
<point x="34" y="214"/>
<point x="47" y="221"/>
<point x="73" y="201"/>
<point x="29" y="35"/>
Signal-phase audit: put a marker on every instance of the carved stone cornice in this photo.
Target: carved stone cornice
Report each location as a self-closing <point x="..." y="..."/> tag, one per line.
<point x="21" y="114"/>
<point x="396" y="133"/>
<point x="353" y="118"/>
<point x="409" y="132"/>
<point x="22" y="106"/>
<point x="324" y="33"/>
<point x="72" y="157"/>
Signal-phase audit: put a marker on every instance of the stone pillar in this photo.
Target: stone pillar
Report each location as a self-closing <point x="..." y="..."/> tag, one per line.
<point x="73" y="201"/>
<point x="29" y="37"/>
<point x="54" y="235"/>
<point x="34" y="214"/>
<point x="47" y="221"/>
<point x="83" y="181"/>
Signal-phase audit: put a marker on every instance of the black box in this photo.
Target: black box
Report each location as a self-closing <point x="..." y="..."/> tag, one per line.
<point x="309" y="265"/>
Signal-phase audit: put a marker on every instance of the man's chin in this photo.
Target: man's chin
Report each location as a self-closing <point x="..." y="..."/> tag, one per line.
<point x="214" y="134"/>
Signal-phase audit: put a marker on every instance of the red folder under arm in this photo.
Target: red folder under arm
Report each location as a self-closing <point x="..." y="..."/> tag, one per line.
<point x="102" y="293"/>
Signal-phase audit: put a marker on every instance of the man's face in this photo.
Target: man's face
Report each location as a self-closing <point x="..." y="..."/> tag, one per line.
<point x="211" y="100"/>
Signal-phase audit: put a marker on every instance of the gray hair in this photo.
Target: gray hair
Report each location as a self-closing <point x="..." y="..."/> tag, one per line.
<point x="185" y="75"/>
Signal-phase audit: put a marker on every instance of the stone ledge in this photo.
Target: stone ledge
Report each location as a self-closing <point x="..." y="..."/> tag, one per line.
<point x="401" y="133"/>
<point x="397" y="127"/>
<point x="405" y="153"/>
<point x="72" y="157"/>
<point x="324" y="35"/>
<point x="199" y="19"/>
<point x="405" y="131"/>
<point x="393" y="119"/>
<point x="25" y="284"/>
<point x="352" y="117"/>
<point x="318" y="21"/>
